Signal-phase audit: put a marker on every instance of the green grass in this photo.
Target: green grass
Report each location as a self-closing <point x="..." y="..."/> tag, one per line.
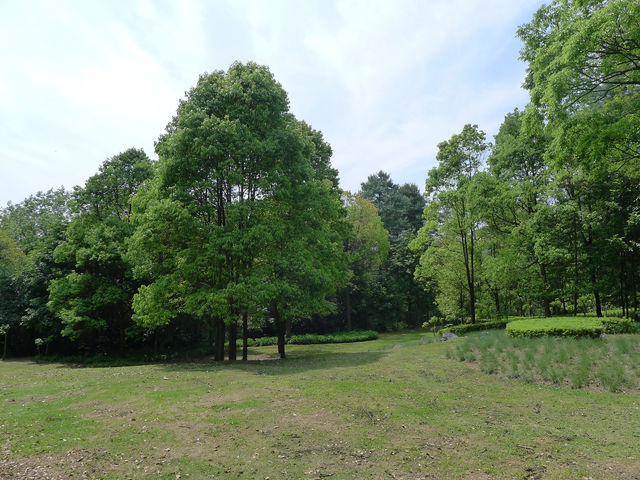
<point x="608" y="363"/>
<point x="394" y="407"/>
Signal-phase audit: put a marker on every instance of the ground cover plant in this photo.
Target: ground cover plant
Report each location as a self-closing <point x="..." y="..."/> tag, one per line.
<point x="611" y="363"/>
<point x="394" y="407"/>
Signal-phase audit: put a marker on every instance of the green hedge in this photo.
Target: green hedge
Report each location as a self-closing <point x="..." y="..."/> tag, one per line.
<point x="312" y="338"/>
<point x="618" y="325"/>
<point x="556" y="326"/>
<point x="470" y="327"/>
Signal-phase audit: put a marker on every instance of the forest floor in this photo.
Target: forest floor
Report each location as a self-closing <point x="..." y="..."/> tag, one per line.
<point x="394" y="408"/>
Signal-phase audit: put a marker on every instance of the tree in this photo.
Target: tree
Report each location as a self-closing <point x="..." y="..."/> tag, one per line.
<point x="517" y="204"/>
<point x="93" y="300"/>
<point x="395" y="298"/>
<point x="12" y="260"/>
<point x="367" y="246"/>
<point x="452" y="216"/>
<point x="36" y="226"/>
<point x="400" y="207"/>
<point x="231" y="149"/>
<point x="584" y="77"/>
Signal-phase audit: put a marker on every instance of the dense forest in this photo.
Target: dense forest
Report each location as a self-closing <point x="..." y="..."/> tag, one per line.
<point x="240" y="228"/>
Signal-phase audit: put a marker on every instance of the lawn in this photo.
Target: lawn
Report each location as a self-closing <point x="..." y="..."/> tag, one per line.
<point x="394" y="408"/>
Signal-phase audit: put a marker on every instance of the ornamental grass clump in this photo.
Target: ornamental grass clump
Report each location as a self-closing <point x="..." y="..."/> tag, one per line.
<point x="611" y="362"/>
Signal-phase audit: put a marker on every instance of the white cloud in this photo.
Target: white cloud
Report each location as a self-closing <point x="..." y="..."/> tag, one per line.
<point x="385" y="81"/>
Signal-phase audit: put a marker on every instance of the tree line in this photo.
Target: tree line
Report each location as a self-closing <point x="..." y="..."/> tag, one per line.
<point x="240" y="228"/>
<point x="546" y="220"/>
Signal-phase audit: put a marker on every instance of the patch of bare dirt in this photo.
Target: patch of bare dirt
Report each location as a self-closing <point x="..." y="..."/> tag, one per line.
<point x="75" y="464"/>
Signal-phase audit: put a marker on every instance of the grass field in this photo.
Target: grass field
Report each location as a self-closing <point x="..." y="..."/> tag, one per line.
<point x="394" y="408"/>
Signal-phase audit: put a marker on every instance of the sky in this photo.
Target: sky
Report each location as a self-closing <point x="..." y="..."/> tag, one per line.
<point x="385" y="81"/>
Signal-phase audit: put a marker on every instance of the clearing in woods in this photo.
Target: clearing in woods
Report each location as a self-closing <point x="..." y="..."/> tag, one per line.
<point x="396" y="407"/>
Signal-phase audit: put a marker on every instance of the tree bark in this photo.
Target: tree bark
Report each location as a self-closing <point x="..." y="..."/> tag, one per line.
<point x="233" y="338"/>
<point x="545" y="289"/>
<point x="245" y="334"/>
<point x="596" y="294"/>
<point x="634" y="284"/>
<point x="155" y="342"/>
<point x="472" y="285"/>
<point x="218" y="348"/>
<point x="281" y="334"/>
<point x="287" y="328"/>
<point x="347" y="307"/>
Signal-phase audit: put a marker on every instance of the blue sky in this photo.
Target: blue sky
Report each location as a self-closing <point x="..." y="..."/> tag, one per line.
<point x="384" y="81"/>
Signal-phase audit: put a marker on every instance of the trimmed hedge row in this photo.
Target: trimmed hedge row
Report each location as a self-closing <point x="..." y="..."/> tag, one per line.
<point x="569" y="326"/>
<point x="618" y="325"/>
<point x="558" y="326"/>
<point x="312" y="338"/>
<point x="470" y="327"/>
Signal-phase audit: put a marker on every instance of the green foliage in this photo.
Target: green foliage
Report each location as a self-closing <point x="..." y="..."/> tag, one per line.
<point x="35" y="226"/>
<point x="618" y="325"/>
<point x="93" y="300"/>
<point x="447" y="243"/>
<point x="312" y="338"/>
<point x="471" y="327"/>
<point x="556" y="326"/>
<point x="341" y="337"/>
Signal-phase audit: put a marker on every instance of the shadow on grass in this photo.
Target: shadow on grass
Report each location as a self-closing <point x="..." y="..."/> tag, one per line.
<point x="271" y="364"/>
<point x="262" y="361"/>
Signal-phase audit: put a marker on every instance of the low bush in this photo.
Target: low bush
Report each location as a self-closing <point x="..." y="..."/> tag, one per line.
<point x="341" y="337"/>
<point x="313" y="338"/>
<point x="556" y="326"/>
<point x="618" y="325"/>
<point x="471" y="327"/>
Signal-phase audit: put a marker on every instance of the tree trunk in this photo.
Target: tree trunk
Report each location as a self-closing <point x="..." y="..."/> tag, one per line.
<point x="245" y="334"/>
<point x="545" y="289"/>
<point x="472" y="284"/>
<point x="233" y="338"/>
<point x="155" y="342"/>
<point x="4" y="348"/>
<point x="281" y="334"/>
<point x="218" y="348"/>
<point x="496" y="299"/>
<point x="596" y="294"/>
<point x="347" y="307"/>
<point x="287" y="328"/>
<point x="634" y="284"/>
<point x="122" y="339"/>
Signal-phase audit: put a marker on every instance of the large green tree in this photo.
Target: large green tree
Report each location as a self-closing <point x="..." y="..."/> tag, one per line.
<point x="367" y="245"/>
<point x="452" y="217"/>
<point x="36" y="226"/>
<point x="94" y="299"/>
<point x="232" y="148"/>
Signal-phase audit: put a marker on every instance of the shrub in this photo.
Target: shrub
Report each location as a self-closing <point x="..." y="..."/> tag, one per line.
<point x="617" y="325"/>
<point x="470" y="327"/>
<point x="556" y="326"/>
<point x="313" y="338"/>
